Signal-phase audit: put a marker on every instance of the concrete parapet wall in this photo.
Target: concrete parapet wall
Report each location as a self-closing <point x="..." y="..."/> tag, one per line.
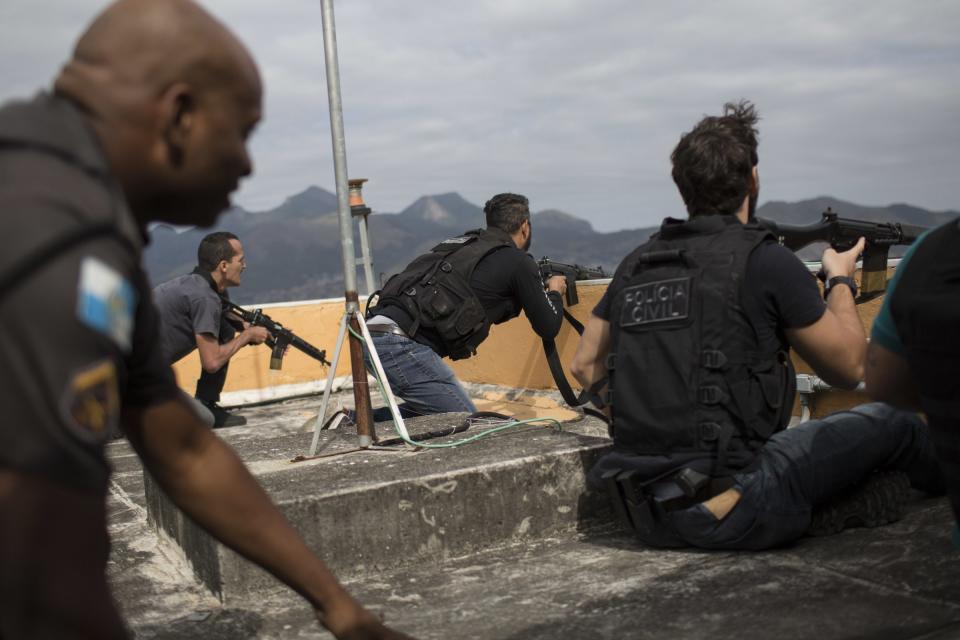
<point x="366" y="512"/>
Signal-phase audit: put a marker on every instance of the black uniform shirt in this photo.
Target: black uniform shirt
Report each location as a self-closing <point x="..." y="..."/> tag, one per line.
<point x="779" y="293"/>
<point x="79" y="335"/>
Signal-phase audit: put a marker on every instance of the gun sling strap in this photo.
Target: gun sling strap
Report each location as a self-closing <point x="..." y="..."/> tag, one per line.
<point x="586" y="396"/>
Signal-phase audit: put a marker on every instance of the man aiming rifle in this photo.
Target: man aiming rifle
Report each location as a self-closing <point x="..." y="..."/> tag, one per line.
<point x="444" y="303"/>
<point x="191" y="317"/>
<point x="694" y="335"/>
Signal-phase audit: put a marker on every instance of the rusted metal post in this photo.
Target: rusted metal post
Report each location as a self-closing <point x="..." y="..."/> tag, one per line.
<point x="361" y="389"/>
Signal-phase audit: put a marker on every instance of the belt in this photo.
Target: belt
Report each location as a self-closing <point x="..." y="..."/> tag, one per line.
<point x="386" y="328"/>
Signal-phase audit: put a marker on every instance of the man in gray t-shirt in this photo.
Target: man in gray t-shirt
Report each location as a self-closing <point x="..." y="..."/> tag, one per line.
<point x="192" y="317"/>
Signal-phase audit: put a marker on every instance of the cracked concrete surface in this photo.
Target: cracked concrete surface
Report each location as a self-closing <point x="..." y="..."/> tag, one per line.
<point x="893" y="582"/>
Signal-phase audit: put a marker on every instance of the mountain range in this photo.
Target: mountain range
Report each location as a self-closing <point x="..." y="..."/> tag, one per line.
<point x="293" y="251"/>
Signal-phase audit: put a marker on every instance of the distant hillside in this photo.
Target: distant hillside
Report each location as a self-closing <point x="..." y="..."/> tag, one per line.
<point x="293" y="250"/>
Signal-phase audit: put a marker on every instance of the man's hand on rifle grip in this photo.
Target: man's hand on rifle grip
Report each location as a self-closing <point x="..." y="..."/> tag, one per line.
<point x="256" y="335"/>
<point x="843" y="263"/>
<point x="558" y="284"/>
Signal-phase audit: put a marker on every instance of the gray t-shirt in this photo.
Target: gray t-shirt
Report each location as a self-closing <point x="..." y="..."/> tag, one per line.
<point x="188" y="306"/>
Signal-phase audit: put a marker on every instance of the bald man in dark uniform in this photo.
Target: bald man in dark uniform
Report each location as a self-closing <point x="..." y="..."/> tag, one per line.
<point x="147" y="122"/>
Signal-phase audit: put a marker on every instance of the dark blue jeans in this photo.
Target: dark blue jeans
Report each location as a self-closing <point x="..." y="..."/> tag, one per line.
<point x="804" y="467"/>
<point x="419" y="377"/>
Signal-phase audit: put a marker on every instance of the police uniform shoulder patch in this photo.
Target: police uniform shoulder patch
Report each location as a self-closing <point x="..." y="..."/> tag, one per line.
<point x="106" y="301"/>
<point x="91" y="401"/>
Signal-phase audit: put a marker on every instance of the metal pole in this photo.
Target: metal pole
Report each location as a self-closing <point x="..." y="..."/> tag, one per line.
<point x="365" y="251"/>
<point x="361" y="392"/>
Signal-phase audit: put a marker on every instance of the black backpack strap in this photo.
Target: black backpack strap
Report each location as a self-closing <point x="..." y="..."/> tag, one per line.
<point x="46" y="252"/>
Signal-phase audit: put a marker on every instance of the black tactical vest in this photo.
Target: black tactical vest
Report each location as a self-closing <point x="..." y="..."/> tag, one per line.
<point x="434" y="291"/>
<point x="686" y="373"/>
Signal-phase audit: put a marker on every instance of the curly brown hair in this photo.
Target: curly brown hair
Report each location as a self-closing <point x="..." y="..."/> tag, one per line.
<point x="713" y="163"/>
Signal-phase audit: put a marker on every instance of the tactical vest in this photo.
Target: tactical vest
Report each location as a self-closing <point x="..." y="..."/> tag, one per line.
<point x="435" y="292"/>
<point x="686" y="373"/>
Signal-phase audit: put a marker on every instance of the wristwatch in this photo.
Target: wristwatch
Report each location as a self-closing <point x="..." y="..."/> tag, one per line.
<point x="835" y="280"/>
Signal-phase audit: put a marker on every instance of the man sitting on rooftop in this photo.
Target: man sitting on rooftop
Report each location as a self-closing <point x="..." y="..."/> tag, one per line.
<point x="695" y="332"/>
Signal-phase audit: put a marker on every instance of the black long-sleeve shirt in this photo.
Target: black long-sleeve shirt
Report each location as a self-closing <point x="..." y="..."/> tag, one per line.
<point x="508" y="281"/>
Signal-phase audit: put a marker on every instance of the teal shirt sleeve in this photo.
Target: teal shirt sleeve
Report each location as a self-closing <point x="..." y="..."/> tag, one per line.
<point x="884" y="331"/>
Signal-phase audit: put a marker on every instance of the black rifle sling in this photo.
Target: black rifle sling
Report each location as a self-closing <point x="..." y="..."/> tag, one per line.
<point x="560" y="377"/>
<point x="40" y="256"/>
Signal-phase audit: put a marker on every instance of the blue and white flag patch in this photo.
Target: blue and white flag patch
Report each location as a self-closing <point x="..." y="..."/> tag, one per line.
<point x="106" y="301"/>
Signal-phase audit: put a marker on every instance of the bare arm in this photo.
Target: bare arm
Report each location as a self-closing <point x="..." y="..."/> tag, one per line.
<point x="214" y="355"/>
<point x="889" y="378"/>
<point x="835" y="345"/>
<point x="589" y="362"/>
<point x="207" y="480"/>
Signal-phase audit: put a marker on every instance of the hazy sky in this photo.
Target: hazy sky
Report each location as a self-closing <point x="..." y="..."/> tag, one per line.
<point x="578" y="103"/>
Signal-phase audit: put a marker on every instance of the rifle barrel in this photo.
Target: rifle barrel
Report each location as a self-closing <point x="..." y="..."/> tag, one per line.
<point x="309" y="349"/>
<point x="909" y="232"/>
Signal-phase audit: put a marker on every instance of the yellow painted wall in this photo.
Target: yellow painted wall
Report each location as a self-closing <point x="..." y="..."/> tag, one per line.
<point x="315" y="322"/>
<point x="512" y="356"/>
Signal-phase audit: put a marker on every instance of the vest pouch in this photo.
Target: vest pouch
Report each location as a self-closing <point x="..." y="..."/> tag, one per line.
<point x="453" y="311"/>
<point x="760" y="396"/>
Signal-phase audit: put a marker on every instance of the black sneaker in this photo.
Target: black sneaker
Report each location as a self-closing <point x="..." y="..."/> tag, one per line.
<point x="878" y="500"/>
<point x="222" y="417"/>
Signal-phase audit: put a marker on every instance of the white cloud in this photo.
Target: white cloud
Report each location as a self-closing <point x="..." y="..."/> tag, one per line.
<point x="577" y="103"/>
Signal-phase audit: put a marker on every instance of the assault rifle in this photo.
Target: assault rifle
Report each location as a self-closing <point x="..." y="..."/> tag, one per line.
<point x="842" y="234"/>
<point x="280" y="338"/>
<point x="572" y="272"/>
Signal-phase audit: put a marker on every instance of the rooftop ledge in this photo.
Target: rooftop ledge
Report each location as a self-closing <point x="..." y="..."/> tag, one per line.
<point x="501" y="538"/>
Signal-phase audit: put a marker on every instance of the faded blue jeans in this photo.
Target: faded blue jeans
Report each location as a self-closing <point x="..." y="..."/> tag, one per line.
<point x="419" y="377"/>
<point x="804" y="467"/>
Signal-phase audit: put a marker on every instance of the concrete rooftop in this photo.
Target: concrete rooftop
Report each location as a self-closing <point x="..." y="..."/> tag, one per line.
<point x="539" y="559"/>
